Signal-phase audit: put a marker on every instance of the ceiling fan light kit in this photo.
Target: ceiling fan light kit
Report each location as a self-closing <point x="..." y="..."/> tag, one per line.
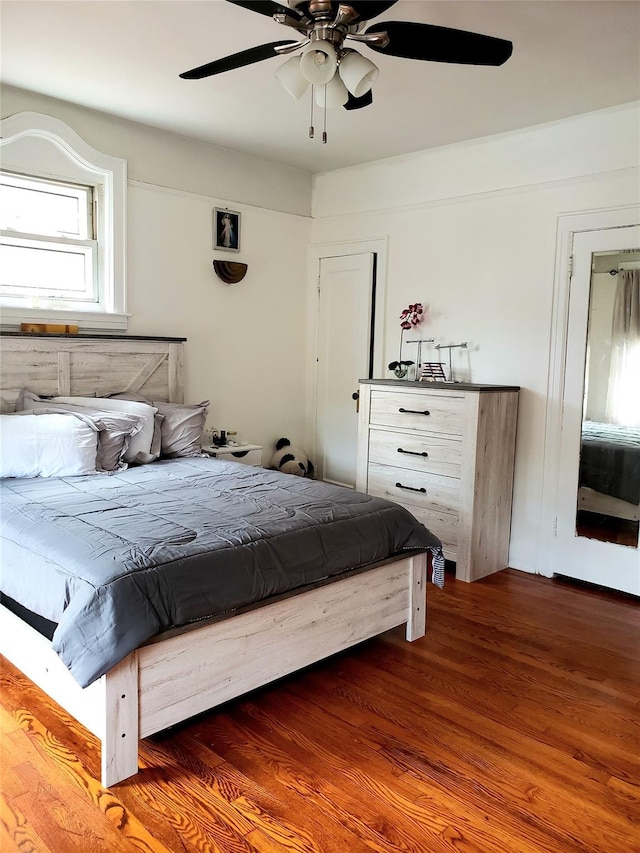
<point x="332" y="94"/>
<point x="342" y="76"/>
<point x="318" y="62"/>
<point x="357" y="73"/>
<point x="290" y="78"/>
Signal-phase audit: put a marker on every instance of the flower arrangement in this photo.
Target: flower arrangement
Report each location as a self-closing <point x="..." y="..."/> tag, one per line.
<point x="410" y="317"/>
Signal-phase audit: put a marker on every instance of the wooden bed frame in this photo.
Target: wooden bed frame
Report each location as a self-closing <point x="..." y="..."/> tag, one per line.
<point x="186" y="671"/>
<point x="592" y="501"/>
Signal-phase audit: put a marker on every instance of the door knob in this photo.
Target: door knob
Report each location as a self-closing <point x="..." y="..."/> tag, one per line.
<point x="356" y="396"/>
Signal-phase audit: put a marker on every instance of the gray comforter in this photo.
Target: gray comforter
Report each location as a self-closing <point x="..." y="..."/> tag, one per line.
<point x="610" y="460"/>
<point x="114" y="560"/>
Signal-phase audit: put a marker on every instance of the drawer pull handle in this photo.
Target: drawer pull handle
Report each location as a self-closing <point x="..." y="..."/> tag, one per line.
<point x="413" y="452"/>
<point x="414" y="412"/>
<point x="411" y="488"/>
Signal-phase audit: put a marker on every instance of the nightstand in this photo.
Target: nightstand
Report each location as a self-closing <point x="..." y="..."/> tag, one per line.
<point x="248" y="454"/>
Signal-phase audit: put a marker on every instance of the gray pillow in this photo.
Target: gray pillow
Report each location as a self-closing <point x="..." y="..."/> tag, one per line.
<point x="181" y="427"/>
<point x="156" y="441"/>
<point x="115" y="429"/>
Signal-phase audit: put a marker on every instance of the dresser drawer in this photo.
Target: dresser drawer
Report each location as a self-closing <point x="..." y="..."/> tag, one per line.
<point x="429" y="453"/>
<point x="418" y="411"/>
<point x="443" y="524"/>
<point x="428" y="491"/>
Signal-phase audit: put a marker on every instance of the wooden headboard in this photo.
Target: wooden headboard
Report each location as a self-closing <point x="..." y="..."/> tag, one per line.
<point x="83" y="365"/>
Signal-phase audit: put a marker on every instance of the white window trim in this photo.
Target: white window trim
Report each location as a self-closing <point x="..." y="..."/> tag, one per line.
<point x="109" y="177"/>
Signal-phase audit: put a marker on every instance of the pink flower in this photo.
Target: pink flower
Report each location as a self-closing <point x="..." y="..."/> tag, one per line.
<point x="411" y="316"/>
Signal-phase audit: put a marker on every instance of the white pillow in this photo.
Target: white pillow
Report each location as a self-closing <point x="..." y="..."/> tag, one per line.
<point x="139" y="449"/>
<point x="47" y="446"/>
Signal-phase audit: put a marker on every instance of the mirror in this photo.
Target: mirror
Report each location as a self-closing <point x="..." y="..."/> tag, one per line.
<point x="608" y="506"/>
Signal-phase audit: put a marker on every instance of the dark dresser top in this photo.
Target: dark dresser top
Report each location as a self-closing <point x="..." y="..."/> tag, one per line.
<point x="441" y="386"/>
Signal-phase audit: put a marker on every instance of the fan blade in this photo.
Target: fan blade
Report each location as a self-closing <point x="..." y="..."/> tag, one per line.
<point x="440" y="44"/>
<point x="265" y="7"/>
<point x="236" y="60"/>
<point x="368" y="9"/>
<point x="357" y="103"/>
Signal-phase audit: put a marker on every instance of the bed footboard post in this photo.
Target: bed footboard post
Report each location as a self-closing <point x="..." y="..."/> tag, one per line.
<point x="417" y="621"/>
<point x="121" y="730"/>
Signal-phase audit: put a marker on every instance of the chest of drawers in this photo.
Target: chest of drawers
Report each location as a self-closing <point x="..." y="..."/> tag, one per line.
<point x="446" y="453"/>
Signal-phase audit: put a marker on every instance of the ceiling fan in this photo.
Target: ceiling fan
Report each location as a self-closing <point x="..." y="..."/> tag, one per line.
<point x="339" y="75"/>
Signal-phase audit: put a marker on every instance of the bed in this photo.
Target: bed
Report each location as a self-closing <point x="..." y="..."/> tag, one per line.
<point x="176" y="655"/>
<point x="609" y="481"/>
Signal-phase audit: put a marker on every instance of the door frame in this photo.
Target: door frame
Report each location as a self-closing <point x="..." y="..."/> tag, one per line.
<point x="568" y="225"/>
<point x="377" y="246"/>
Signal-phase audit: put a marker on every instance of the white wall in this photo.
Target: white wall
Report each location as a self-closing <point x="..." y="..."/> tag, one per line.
<point x="169" y="160"/>
<point x="471" y="234"/>
<point x="246" y="342"/>
<point x="245" y="349"/>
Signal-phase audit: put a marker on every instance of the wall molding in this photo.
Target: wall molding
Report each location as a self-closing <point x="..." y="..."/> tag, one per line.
<point x="210" y="199"/>
<point x="631" y="172"/>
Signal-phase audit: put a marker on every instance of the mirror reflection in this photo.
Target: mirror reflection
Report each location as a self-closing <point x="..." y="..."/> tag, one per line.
<point x="609" y="476"/>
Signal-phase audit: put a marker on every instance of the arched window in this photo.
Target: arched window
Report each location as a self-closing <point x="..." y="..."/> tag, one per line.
<point x="62" y="226"/>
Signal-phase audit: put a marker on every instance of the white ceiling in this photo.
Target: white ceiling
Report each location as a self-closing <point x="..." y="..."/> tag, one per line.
<point x="124" y="56"/>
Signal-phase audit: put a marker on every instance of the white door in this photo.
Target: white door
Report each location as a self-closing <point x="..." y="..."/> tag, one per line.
<point x="345" y="345"/>
<point x="577" y="555"/>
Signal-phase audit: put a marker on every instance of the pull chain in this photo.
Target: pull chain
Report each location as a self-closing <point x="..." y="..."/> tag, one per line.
<point x="324" y="118"/>
<point x="324" y="115"/>
<point x="311" y="130"/>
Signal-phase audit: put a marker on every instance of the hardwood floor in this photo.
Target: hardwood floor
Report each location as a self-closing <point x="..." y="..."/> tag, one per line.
<point x="512" y="727"/>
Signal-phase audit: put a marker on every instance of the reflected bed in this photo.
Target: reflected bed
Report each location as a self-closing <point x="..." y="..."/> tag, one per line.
<point x="609" y="481"/>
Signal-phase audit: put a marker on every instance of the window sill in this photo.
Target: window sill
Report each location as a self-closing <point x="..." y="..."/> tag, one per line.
<point x="11" y="318"/>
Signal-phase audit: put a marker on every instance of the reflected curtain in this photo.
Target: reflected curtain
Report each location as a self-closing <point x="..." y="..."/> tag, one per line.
<point x="623" y="397"/>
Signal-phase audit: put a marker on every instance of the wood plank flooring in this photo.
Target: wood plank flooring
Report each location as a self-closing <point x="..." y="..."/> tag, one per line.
<point x="512" y="727"/>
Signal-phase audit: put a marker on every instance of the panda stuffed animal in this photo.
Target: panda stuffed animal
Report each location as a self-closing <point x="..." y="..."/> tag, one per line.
<point x="291" y="460"/>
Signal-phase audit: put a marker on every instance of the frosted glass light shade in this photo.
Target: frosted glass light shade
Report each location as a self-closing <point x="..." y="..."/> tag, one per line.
<point x="318" y="62"/>
<point x="290" y="78"/>
<point x="334" y="91"/>
<point x="357" y="73"/>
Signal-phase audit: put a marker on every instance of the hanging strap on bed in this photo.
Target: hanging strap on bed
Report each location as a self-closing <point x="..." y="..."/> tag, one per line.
<point x="437" y="567"/>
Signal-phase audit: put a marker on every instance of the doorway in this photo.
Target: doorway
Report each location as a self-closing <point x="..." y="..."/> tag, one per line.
<point x="346" y="298"/>
<point x="597" y="503"/>
<point x="349" y="283"/>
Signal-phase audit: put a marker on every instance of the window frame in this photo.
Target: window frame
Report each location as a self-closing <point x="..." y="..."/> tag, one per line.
<point x="82" y="243"/>
<point x="45" y="148"/>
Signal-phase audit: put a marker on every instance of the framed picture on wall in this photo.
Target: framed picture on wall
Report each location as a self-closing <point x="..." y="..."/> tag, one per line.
<point x="226" y="229"/>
